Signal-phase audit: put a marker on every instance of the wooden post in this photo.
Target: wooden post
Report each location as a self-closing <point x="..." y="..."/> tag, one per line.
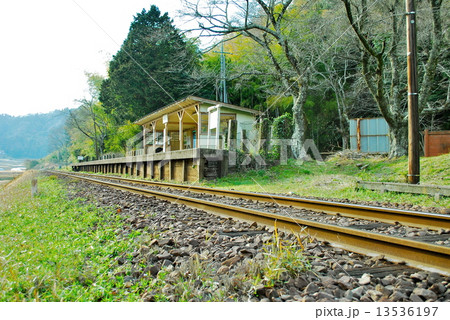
<point x="208" y="141"/>
<point x="199" y="124"/>
<point x="144" y="139"/>
<point x="217" y="146"/>
<point x="165" y="138"/>
<point x="426" y="147"/>
<point x="34" y="188"/>
<point x="154" y="136"/>
<point x="181" y="134"/>
<point x="358" y="135"/>
<point x="413" y="95"/>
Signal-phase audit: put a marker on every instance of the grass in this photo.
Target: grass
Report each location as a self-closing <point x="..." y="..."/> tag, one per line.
<point x="282" y="257"/>
<point x="56" y="249"/>
<point x="53" y="248"/>
<point x="336" y="178"/>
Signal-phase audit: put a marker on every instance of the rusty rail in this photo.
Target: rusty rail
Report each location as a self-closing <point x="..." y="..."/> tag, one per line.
<point x="416" y="253"/>
<point x="432" y="221"/>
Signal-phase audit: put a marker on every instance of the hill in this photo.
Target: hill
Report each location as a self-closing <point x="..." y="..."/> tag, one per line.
<point x="29" y="137"/>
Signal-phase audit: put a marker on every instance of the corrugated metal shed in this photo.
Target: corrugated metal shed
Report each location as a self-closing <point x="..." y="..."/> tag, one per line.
<point x="369" y="135"/>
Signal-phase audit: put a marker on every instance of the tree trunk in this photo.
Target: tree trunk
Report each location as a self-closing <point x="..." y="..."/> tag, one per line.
<point x="264" y="136"/>
<point x="345" y="127"/>
<point x="433" y="57"/>
<point x="298" y="137"/>
<point x="344" y="123"/>
<point x="398" y="136"/>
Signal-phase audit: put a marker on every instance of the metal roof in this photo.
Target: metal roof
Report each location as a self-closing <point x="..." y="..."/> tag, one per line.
<point x="187" y="102"/>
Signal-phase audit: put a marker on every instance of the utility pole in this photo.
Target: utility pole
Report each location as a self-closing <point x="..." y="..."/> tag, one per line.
<point x="413" y="95"/>
<point x="223" y="96"/>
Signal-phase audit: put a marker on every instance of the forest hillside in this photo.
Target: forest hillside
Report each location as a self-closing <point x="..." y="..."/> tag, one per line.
<point x="32" y="136"/>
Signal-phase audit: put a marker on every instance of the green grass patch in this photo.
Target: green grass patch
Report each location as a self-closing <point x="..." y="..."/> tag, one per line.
<point x="336" y="178"/>
<point x="56" y="249"/>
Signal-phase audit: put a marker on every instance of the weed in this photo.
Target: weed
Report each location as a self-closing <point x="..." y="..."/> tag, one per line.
<point x="208" y="236"/>
<point x="282" y="257"/>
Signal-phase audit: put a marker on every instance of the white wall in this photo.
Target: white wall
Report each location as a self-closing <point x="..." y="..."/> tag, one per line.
<point x="245" y="121"/>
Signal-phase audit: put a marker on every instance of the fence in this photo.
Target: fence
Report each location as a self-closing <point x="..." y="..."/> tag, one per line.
<point x="436" y="143"/>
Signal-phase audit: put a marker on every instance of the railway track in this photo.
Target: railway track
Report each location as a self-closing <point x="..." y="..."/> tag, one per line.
<point x="387" y="215"/>
<point x="417" y="253"/>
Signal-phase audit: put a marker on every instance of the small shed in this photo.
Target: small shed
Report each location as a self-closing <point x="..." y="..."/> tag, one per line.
<point x="369" y="135"/>
<point x="194" y="123"/>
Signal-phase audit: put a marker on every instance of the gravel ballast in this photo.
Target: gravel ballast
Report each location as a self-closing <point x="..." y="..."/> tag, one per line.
<point x="203" y="257"/>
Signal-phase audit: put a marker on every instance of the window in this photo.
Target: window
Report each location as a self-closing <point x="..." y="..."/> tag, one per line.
<point x="224" y="118"/>
<point x="204" y="123"/>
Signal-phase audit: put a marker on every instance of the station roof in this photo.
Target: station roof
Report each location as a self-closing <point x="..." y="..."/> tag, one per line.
<point x="188" y="102"/>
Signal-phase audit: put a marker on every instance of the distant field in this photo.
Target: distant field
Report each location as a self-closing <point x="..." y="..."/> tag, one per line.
<point x="8" y="164"/>
<point x="8" y="175"/>
<point x="5" y="166"/>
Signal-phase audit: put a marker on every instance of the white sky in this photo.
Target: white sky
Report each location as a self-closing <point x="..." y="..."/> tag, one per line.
<point x="47" y="45"/>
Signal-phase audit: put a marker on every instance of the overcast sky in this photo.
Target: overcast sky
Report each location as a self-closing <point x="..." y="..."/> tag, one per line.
<point x="47" y="45"/>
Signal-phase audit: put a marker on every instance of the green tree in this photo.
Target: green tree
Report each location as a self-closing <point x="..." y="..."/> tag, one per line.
<point x="245" y="84"/>
<point x="118" y="142"/>
<point x="153" y="67"/>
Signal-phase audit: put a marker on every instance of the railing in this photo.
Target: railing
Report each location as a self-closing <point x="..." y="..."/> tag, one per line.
<point x="111" y="156"/>
<point x="134" y="153"/>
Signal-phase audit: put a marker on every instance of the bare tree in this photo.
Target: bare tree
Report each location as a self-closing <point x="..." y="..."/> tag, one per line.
<point x="90" y="118"/>
<point x="336" y="68"/>
<point x="59" y="141"/>
<point x="87" y="120"/>
<point x="383" y="61"/>
<point x="268" y="24"/>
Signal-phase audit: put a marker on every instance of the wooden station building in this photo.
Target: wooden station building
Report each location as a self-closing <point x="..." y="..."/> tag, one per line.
<point x="183" y="141"/>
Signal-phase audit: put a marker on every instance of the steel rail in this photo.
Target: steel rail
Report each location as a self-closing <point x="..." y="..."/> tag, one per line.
<point x="431" y="221"/>
<point x="416" y="253"/>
